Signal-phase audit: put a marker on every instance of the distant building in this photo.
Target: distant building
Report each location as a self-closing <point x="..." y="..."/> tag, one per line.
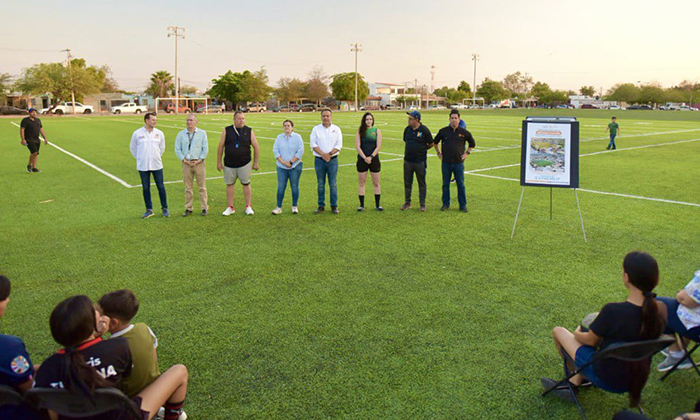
<point x="389" y="92"/>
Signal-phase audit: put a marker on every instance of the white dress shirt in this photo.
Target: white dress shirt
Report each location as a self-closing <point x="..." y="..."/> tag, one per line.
<point x="148" y="148"/>
<point x="326" y="139"/>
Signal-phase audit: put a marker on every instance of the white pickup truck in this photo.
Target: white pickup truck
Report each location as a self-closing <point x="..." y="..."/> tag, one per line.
<point x="67" y="108"/>
<point x="129" y="108"/>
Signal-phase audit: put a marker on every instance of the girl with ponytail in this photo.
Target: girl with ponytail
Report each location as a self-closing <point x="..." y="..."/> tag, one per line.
<point x="638" y="318"/>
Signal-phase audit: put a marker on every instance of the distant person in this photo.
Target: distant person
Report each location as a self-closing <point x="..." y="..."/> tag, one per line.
<point x="454" y="153"/>
<point x="29" y="130"/>
<point x="288" y="150"/>
<point x="148" y="146"/>
<point x="192" y="147"/>
<point x="236" y="141"/>
<point x="418" y="140"/>
<point x="368" y="142"/>
<point x="614" y="130"/>
<point x="326" y="140"/>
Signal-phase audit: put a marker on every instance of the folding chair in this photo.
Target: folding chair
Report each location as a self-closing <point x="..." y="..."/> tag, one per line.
<point x="625" y="352"/>
<point x="687" y="355"/>
<point x="77" y="405"/>
<point x="9" y="396"/>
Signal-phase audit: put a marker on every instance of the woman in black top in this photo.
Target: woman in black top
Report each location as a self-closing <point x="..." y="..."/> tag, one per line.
<point x="368" y="142"/>
<point x="88" y="362"/>
<point x="640" y="317"/>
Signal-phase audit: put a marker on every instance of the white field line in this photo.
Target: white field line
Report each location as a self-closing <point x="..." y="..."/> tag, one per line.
<point x="93" y="166"/>
<point x="636" y="197"/>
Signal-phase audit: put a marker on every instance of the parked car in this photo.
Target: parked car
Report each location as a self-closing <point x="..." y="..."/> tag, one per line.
<point x="685" y="108"/>
<point x="67" y="108"/>
<point x="214" y="109"/>
<point x="255" y="107"/>
<point x="614" y="107"/>
<point x="391" y="107"/>
<point x="645" y="108"/>
<point x="181" y="109"/>
<point x="562" y="106"/>
<point x="588" y="106"/>
<point x="459" y="106"/>
<point x="307" y="108"/>
<point x="286" y="108"/>
<point x="12" y="110"/>
<point x="437" y="107"/>
<point x="129" y="108"/>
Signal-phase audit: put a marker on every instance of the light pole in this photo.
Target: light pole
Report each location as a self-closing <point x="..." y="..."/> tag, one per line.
<point x="356" y="48"/>
<point x="432" y="83"/>
<point x="72" y="84"/>
<point x="177" y="32"/>
<point x="475" y="58"/>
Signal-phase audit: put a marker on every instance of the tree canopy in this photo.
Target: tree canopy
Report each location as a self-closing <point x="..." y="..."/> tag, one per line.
<point x="343" y="87"/>
<point x="290" y="89"/>
<point x="59" y="80"/>
<point x="518" y="84"/>
<point x="492" y="90"/>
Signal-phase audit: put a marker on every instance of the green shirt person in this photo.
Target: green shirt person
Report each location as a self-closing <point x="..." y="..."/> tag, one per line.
<point x="614" y="129"/>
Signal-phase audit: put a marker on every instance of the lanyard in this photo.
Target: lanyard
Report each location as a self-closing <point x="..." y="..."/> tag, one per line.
<point x="238" y="135"/>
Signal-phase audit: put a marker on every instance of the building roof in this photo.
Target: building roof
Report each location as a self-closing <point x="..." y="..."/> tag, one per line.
<point x="374" y="98"/>
<point x="387" y="84"/>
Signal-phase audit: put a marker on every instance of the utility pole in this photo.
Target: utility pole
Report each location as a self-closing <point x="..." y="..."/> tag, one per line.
<point x="432" y="82"/>
<point x="72" y="84"/>
<point x="415" y="91"/>
<point x="177" y="32"/>
<point x="356" y="48"/>
<point x="475" y="57"/>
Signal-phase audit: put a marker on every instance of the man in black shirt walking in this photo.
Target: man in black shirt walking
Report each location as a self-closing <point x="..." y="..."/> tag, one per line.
<point x="29" y="131"/>
<point x="418" y="140"/>
<point x="453" y="155"/>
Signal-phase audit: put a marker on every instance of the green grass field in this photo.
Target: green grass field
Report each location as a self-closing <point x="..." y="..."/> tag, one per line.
<point x="393" y="315"/>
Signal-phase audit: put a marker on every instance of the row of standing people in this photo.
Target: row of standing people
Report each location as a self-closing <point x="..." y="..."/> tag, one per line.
<point x="238" y="156"/>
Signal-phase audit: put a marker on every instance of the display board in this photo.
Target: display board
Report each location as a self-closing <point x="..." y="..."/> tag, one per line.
<point x="550" y="152"/>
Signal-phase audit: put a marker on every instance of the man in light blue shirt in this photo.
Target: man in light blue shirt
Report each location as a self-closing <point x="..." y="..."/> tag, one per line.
<point x="288" y="150"/>
<point x="191" y="147"/>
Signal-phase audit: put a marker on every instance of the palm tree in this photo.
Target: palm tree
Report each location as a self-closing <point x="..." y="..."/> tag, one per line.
<point x="161" y="84"/>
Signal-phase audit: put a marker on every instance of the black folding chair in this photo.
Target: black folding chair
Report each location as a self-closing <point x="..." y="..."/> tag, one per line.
<point x="625" y="352"/>
<point x="687" y="356"/>
<point x="77" y="405"/>
<point x="9" y="396"/>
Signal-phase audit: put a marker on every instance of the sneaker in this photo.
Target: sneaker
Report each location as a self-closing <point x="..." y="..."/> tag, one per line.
<point x="148" y="214"/>
<point x="464" y="210"/>
<point x="186" y="213"/>
<point x="295" y="210"/>
<point x="35" y="170"/>
<point x="29" y="168"/>
<point x="249" y="210"/>
<point x="607" y="148"/>
<point x="422" y="208"/>
<point x="406" y="206"/>
<point x="444" y="208"/>
<point x="161" y="414"/>
<point x="166" y="213"/>
<point x="670" y="361"/>
<point x="360" y="208"/>
<point x="380" y="208"/>
<point x="335" y="210"/>
<point x="319" y="210"/>
<point x="205" y="212"/>
<point x="277" y="210"/>
<point x="229" y="211"/>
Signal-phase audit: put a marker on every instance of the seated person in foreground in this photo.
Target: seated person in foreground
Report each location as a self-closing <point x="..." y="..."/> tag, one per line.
<point x="87" y="362"/>
<point x="638" y="318"/>
<point x="684" y="319"/>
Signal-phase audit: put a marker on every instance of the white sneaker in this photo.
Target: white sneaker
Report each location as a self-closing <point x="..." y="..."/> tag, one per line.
<point x="277" y="210"/>
<point x="229" y="211"/>
<point x="161" y="414"/>
<point x="295" y="210"/>
<point x="249" y="211"/>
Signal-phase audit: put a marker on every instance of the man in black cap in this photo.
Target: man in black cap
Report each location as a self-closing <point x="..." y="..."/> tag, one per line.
<point x="29" y="131"/>
<point x="454" y="139"/>
<point x="418" y="140"/>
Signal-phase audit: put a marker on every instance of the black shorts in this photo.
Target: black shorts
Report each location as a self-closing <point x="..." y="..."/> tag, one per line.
<point x="363" y="166"/>
<point x="33" y="146"/>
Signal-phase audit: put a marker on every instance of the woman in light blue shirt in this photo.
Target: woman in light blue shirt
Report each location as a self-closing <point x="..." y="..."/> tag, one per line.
<point x="288" y="150"/>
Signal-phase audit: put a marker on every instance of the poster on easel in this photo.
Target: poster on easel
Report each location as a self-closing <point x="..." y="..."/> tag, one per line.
<point x="550" y="151"/>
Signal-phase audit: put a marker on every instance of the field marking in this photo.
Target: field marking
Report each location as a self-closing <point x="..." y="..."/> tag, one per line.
<point x="93" y="166"/>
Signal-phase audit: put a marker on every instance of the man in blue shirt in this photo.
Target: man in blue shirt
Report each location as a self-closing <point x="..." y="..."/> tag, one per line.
<point x="191" y="147"/>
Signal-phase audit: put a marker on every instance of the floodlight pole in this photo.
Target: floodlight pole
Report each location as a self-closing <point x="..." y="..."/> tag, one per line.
<point x="177" y="32"/>
<point x="72" y="84"/>
<point x="356" y="48"/>
<point x="475" y="57"/>
<point x="432" y="83"/>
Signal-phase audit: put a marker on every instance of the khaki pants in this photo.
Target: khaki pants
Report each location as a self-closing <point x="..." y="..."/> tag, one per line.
<point x="198" y="171"/>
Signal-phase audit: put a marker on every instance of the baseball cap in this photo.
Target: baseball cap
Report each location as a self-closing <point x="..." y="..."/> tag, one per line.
<point x="32" y="109"/>
<point x="414" y="114"/>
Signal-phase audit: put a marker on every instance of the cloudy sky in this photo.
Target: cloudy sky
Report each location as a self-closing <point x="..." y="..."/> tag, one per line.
<point x="565" y="43"/>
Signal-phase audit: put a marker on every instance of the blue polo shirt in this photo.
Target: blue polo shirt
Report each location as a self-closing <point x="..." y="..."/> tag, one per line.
<point x="191" y="146"/>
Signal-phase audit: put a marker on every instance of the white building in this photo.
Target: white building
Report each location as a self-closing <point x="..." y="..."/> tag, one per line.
<point x="388" y="92"/>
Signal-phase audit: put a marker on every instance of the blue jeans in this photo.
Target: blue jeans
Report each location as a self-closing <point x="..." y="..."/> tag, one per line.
<point x="329" y="169"/>
<point x="612" y="145"/>
<point x="458" y="170"/>
<point x="293" y="176"/>
<point x="674" y="324"/>
<point x="146" y="188"/>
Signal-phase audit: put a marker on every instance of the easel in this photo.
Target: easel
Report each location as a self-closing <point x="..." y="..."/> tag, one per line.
<point x="551" y="217"/>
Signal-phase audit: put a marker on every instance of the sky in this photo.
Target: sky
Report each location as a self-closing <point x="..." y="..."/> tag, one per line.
<point x="565" y="43"/>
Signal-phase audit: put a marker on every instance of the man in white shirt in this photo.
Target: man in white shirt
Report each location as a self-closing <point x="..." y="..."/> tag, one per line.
<point x="147" y="146"/>
<point x="326" y="142"/>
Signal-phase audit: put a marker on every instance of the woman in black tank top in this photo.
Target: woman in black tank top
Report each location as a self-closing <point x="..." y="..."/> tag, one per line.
<point x="368" y="142"/>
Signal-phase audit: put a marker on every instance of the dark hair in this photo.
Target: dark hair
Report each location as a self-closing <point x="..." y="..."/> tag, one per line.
<point x="454" y="111"/>
<point x="5" y="287"/>
<point x="148" y="116"/>
<point x="72" y="322"/>
<point x="326" y="109"/>
<point x="121" y="304"/>
<point x="363" y="124"/>
<point x="643" y="273"/>
<point x="288" y="121"/>
<point x="614" y="118"/>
